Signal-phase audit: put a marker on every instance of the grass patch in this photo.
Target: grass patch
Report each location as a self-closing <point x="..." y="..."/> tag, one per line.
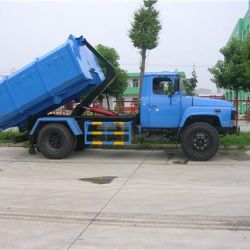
<point x="241" y="140"/>
<point x="8" y="136"/>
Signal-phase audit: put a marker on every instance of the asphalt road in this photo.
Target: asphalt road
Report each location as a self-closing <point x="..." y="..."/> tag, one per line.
<point x="124" y="199"/>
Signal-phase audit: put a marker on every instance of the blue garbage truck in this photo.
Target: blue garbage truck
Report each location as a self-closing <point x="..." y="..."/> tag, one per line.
<point x="72" y="71"/>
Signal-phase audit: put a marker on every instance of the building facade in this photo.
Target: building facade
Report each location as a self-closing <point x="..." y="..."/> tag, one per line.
<point x="131" y="93"/>
<point x="242" y="28"/>
<point x="241" y="31"/>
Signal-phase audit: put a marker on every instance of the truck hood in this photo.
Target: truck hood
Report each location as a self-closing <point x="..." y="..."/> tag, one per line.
<point x="209" y="102"/>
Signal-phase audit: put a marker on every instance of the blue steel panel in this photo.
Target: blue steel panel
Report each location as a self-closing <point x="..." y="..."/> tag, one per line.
<point x="60" y="76"/>
<point x="76" y="130"/>
<point x="130" y="133"/>
<point x="86" y="125"/>
<point x="224" y="115"/>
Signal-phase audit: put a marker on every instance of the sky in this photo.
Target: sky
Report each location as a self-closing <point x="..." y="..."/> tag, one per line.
<point x="192" y="31"/>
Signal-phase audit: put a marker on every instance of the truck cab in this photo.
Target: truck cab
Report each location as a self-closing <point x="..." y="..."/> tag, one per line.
<point x="165" y="106"/>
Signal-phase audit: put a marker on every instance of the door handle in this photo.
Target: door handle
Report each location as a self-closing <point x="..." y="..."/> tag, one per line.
<point x="153" y="106"/>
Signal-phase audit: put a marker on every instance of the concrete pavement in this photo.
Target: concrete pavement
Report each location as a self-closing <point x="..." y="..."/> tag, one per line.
<point x="124" y="199"/>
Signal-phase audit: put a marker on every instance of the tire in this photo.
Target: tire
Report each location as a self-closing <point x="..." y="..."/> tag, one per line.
<point x="200" y="141"/>
<point x="55" y="141"/>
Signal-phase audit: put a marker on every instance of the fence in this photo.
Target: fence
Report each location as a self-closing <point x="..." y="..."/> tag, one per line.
<point x="243" y="109"/>
<point x="130" y="107"/>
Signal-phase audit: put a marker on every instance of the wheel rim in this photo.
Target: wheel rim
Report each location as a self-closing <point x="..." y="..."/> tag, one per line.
<point x="200" y="142"/>
<point x="55" y="140"/>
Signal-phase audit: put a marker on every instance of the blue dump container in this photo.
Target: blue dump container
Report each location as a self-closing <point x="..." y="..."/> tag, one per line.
<point x="60" y="76"/>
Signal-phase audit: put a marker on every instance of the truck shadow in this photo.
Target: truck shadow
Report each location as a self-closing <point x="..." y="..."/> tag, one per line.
<point x="177" y="157"/>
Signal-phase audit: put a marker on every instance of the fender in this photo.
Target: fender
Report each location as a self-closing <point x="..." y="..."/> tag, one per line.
<point x="222" y="113"/>
<point x="71" y="122"/>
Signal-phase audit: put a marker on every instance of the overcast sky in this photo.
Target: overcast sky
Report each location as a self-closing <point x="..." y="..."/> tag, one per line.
<point x="193" y="31"/>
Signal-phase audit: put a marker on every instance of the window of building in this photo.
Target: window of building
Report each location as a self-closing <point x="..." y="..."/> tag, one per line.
<point x="135" y="82"/>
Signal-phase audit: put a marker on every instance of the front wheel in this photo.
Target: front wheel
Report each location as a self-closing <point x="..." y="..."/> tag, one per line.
<point x="200" y="141"/>
<point x="55" y="141"/>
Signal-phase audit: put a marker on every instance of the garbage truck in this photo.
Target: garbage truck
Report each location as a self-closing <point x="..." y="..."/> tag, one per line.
<point x="75" y="71"/>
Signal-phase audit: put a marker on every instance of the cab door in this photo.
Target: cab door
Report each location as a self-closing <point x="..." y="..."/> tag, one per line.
<point x="164" y="104"/>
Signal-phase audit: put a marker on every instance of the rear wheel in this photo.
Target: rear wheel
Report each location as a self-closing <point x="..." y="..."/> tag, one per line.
<point x="200" y="141"/>
<point x="55" y="141"/>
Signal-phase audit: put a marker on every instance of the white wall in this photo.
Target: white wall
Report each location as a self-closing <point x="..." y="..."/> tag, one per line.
<point x="130" y="81"/>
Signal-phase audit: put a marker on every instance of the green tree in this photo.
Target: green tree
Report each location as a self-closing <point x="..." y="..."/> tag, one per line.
<point x="193" y="80"/>
<point x="191" y="83"/>
<point x="232" y="72"/>
<point x="187" y="86"/>
<point x="144" y="31"/>
<point x="246" y="54"/>
<point x="119" y="85"/>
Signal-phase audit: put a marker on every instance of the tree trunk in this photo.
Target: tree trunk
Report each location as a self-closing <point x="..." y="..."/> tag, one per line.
<point x="236" y="101"/>
<point x="107" y="98"/>
<point x="142" y="68"/>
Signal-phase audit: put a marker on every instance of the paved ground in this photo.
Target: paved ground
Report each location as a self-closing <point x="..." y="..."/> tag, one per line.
<point x="124" y="199"/>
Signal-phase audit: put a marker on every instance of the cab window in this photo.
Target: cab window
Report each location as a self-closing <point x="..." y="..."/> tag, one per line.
<point x="163" y="86"/>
